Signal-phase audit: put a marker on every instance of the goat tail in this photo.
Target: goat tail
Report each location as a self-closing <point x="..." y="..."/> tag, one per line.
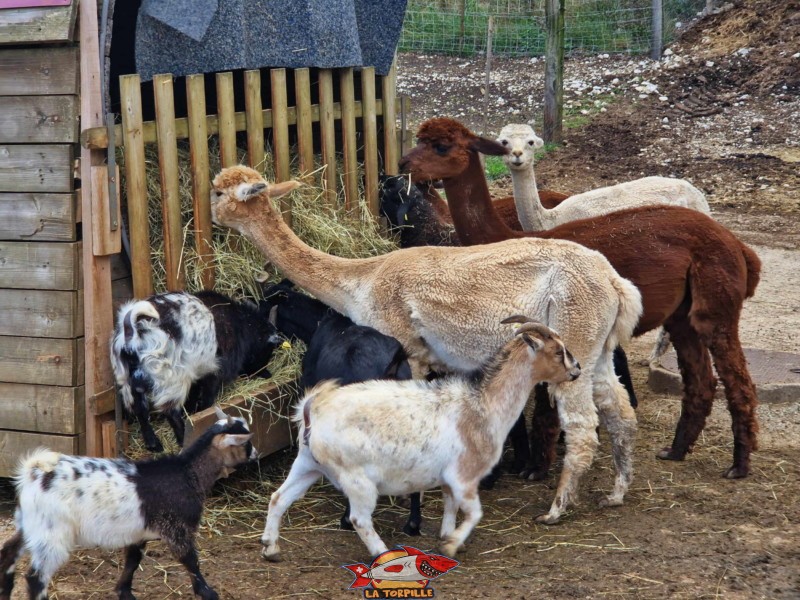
<point x="753" y="269"/>
<point x="38" y="462"/>
<point x="629" y="310"/>
<point x="302" y="411"/>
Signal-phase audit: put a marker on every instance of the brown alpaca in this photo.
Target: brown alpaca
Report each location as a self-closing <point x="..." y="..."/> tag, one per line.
<point x="505" y="207"/>
<point x="693" y="274"/>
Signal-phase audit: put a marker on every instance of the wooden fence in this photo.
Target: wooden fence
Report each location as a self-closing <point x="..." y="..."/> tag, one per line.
<point x="166" y="130"/>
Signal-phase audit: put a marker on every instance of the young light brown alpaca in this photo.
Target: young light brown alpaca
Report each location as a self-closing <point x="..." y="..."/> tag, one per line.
<point x="694" y="276"/>
<point x="444" y="305"/>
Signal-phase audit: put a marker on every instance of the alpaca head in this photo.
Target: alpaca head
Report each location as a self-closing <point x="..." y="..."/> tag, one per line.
<point x="521" y="142"/>
<point x="240" y="195"/>
<point x="444" y="148"/>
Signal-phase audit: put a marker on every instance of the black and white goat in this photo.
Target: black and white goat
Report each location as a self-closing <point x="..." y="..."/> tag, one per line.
<point x="179" y="348"/>
<point x="69" y="501"/>
<point x="338" y="349"/>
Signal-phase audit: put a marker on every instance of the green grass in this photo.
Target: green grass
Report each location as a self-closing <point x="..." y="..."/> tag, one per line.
<point x="495" y="168"/>
<point x="592" y="26"/>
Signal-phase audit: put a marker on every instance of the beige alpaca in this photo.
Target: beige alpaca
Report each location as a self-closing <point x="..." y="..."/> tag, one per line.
<point x="444" y="305"/>
<point x="523" y="142"/>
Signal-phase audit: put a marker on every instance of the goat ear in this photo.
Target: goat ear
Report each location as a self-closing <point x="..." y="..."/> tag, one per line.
<point x="235" y="439"/>
<point x="487" y="146"/>
<point x="276" y="190"/>
<point x="273" y="315"/>
<point x="533" y="342"/>
<point x="245" y="191"/>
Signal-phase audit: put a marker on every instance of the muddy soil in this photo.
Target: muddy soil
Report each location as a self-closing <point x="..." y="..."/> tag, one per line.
<point x="723" y="110"/>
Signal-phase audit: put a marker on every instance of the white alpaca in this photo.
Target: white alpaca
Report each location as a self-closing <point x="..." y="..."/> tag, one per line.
<point x="523" y="142"/>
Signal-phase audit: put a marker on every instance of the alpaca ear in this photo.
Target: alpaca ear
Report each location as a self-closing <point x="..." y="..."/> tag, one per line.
<point x="486" y="146"/>
<point x="537" y="141"/>
<point x="276" y="190"/>
<point x="245" y="191"/>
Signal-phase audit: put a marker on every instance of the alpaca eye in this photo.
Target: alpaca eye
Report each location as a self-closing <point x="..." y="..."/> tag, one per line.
<point x="504" y="142"/>
<point x="441" y="149"/>
<point x="530" y="142"/>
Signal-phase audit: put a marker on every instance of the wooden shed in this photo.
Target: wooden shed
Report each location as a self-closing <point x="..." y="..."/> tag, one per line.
<point x="60" y="202"/>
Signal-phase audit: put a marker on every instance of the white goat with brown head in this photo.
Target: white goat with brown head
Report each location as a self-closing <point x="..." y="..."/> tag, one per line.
<point x="444" y="305"/>
<point x="395" y="437"/>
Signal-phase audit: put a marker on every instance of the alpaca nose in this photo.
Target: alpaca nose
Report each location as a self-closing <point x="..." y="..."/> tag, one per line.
<point x="517" y="153"/>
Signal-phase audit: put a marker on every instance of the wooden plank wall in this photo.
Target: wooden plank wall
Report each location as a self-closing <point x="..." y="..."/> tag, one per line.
<point x="42" y="363"/>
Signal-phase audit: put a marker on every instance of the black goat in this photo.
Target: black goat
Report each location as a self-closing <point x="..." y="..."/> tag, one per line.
<point x="338" y="349"/>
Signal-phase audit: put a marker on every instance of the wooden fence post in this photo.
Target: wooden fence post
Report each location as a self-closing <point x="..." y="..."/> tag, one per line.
<point x="227" y="120"/>
<point x="390" y="145"/>
<point x="370" y="124"/>
<point x="98" y="319"/>
<point x="254" y="118"/>
<point x="554" y="72"/>
<point x="348" y="102"/>
<point x="658" y="30"/>
<point x="327" y="135"/>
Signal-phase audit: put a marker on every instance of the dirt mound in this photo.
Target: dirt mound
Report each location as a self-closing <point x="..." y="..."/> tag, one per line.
<point x="767" y="29"/>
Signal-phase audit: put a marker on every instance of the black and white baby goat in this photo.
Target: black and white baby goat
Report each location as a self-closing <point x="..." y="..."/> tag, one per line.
<point x="69" y="501"/>
<point x="338" y="349"/>
<point x="179" y="348"/>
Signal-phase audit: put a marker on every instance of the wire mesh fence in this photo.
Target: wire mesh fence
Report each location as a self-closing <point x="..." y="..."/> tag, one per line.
<point x="460" y="26"/>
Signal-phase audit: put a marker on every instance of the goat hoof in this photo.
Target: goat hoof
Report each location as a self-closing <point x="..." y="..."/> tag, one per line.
<point x="155" y="447"/>
<point x="273" y="556"/>
<point x="411" y="529"/>
<point x="736" y="472"/>
<point x="122" y="595"/>
<point x="207" y="594"/>
<point x="546" y="519"/>
<point x="533" y="474"/>
<point x="448" y="549"/>
<point x="609" y="501"/>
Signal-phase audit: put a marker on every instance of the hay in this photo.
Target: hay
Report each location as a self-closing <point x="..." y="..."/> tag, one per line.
<point x="237" y="263"/>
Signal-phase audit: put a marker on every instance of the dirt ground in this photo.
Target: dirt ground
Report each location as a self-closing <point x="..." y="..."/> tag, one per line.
<point x="722" y="110"/>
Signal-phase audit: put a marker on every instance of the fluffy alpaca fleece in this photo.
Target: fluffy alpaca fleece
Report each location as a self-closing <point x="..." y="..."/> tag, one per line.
<point x="446" y="433"/>
<point x="694" y="276"/>
<point x="444" y="306"/>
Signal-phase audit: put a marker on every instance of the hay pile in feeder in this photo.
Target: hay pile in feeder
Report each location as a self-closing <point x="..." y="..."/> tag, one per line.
<point x="239" y="267"/>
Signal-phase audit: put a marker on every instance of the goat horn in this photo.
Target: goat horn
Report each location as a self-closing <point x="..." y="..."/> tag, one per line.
<point x="516" y="319"/>
<point x="219" y="412"/>
<point x="273" y="315"/>
<point x="539" y="328"/>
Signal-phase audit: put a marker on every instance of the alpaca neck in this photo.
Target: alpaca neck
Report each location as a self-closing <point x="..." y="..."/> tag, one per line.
<point x="474" y="216"/>
<point x="532" y="215"/>
<point x="332" y="280"/>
